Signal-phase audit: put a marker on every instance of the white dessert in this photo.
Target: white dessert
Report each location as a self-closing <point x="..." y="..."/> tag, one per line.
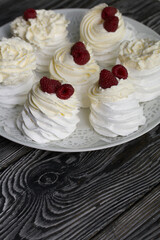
<point x="115" y="111"/>
<point x="142" y="59"/>
<point x="46" y="117"/>
<point x="105" y="44"/>
<point x="63" y="67"/>
<point x="17" y="62"/>
<point x="46" y="32"/>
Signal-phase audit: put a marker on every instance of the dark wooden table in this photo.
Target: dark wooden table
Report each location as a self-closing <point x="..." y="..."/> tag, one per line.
<point x="110" y="194"/>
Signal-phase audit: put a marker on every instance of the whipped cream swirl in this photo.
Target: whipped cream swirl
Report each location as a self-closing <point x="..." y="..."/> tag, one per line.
<point x="17" y="61"/>
<point x="140" y="54"/>
<point x="46" y="118"/>
<point x="105" y="44"/>
<point x="62" y="67"/>
<point x="142" y="59"/>
<point x="115" y="111"/>
<point x="47" y="32"/>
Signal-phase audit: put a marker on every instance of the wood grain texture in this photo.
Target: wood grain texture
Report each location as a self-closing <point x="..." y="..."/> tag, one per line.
<point x="141" y="222"/>
<point x="56" y="196"/>
<point x="10" y="152"/>
<point x="112" y="194"/>
<point x="144" y="11"/>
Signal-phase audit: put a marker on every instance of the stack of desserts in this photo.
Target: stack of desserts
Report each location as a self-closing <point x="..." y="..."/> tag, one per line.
<point x="107" y="71"/>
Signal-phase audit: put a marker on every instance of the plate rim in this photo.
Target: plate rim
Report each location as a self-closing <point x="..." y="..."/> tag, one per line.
<point x="104" y="146"/>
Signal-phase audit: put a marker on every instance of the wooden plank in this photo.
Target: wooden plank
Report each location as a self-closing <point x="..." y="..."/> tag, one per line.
<point x="10" y="152"/>
<point x="52" y="196"/>
<point x="16" y="9"/>
<point x="139" y="10"/>
<point x="141" y="222"/>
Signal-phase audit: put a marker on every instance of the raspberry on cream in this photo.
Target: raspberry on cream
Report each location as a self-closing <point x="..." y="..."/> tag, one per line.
<point x="49" y="85"/>
<point x="111" y="24"/>
<point x="81" y="76"/>
<point x="46" y="32"/>
<point x="142" y="59"/>
<point x="80" y="54"/>
<point x="114" y="108"/>
<point x="17" y="62"/>
<point x="29" y="13"/>
<point x="47" y="117"/>
<point x="107" y="12"/>
<point x="120" y="71"/>
<point x="104" y="30"/>
<point x="107" y="79"/>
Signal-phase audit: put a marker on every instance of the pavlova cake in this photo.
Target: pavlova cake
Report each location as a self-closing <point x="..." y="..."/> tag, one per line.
<point x="50" y="112"/>
<point x="17" y="65"/>
<point x="114" y="109"/>
<point x="142" y="59"/>
<point x="76" y="65"/>
<point x="46" y="30"/>
<point x="104" y="29"/>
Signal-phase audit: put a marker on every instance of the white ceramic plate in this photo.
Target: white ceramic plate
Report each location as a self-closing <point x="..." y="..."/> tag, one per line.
<point x="84" y="138"/>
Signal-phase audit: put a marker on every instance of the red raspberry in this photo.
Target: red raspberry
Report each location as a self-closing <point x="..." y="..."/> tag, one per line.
<point x="111" y="23"/>
<point x="77" y="45"/>
<point x="65" y="91"/>
<point x="29" y="13"/>
<point x="81" y="56"/>
<point x="49" y="85"/>
<point x="120" y="71"/>
<point x="107" y="79"/>
<point x="108" y="11"/>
